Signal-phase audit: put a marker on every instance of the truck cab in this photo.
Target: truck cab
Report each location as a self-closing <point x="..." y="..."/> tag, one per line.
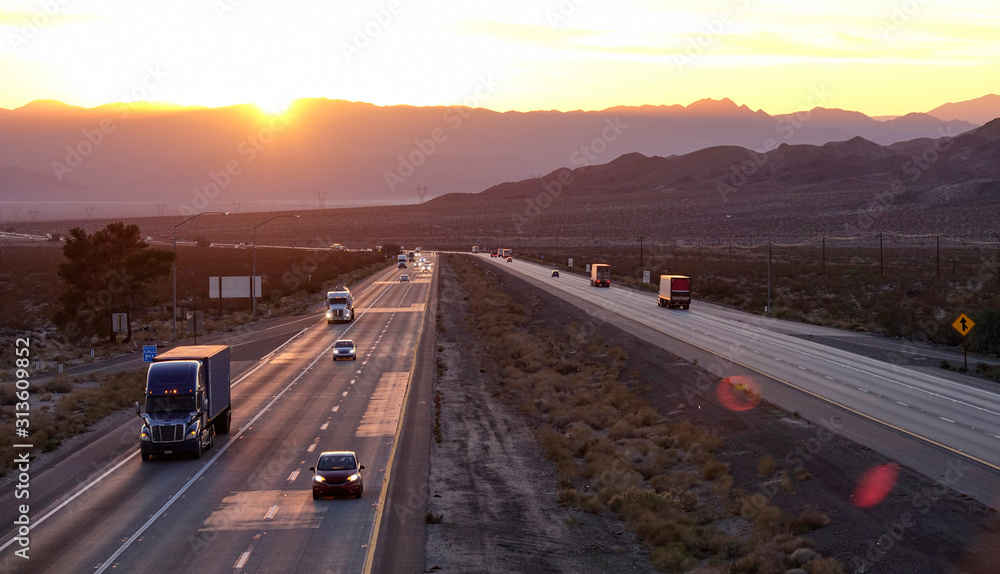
<point x="187" y="401"/>
<point x="339" y="305"/>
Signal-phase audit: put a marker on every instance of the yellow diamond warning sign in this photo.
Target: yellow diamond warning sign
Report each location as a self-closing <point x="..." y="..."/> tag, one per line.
<point x="963" y="324"/>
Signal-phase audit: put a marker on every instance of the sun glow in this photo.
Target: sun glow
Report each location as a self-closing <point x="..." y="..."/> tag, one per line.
<point x="275" y="106"/>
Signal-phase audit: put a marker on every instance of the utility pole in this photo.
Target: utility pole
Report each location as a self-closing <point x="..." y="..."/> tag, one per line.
<point x="881" y="268"/>
<point x="641" y="266"/>
<point x="824" y="254"/>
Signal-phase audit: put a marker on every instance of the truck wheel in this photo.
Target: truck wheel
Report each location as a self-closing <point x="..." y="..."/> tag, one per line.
<point x="223" y="424"/>
<point x="144" y="456"/>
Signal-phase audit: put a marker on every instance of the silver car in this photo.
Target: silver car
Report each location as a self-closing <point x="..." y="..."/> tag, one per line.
<point x="344" y="349"/>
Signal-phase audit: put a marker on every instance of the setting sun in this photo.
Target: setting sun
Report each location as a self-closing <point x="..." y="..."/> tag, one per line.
<point x="275" y="106"/>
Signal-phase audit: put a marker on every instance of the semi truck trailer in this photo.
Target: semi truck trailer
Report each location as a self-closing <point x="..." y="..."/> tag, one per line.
<point x="187" y="401"/>
<point x="600" y="275"/>
<point x="675" y="292"/>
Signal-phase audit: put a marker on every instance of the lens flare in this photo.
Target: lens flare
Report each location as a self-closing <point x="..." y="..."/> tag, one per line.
<point x="738" y="393"/>
<point x="875" y="485"/>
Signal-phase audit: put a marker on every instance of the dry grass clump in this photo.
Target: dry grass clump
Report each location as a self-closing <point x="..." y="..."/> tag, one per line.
<point x="74" y="412"/>
<point x="807" y="521"/>
<point x="766" y="466"/>
<point x="614" y="452"/>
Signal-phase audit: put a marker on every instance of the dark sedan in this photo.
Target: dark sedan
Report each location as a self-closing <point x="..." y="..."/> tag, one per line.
<point x="336" y="473"/>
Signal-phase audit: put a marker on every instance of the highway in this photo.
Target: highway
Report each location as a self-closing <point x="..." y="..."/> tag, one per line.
<point x="930" y="416"/>
<point x="247" y="504"/>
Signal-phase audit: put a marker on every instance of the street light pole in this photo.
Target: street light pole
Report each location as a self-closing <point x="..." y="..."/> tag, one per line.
<point x="253" y="276"/>
<point x="174" y="271"/>
<point x="769" y="230"/>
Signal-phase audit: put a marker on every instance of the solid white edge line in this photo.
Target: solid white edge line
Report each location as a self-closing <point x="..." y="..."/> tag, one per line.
<point x="135" y="536"/>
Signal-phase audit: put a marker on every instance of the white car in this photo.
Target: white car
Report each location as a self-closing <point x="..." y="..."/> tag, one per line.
<point x="404" y="278"/>
<point x="344" y="349"/>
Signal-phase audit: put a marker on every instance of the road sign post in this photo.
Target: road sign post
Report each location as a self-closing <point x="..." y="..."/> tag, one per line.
<point x="963" y="325"/>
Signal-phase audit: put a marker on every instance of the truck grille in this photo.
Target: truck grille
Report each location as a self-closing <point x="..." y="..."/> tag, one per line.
<point x="168" y="433"/>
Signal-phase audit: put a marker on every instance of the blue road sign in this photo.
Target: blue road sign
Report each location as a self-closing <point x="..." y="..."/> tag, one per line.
<point x="148" y="352"/>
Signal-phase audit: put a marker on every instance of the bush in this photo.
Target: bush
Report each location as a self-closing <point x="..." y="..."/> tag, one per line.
<point x="766" y="466"/>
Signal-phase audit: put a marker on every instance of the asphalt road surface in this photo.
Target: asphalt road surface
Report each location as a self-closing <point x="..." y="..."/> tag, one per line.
<point x="247" y="504"/>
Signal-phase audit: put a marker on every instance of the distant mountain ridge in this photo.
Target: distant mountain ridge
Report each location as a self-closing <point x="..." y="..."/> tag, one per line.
<point x="915" y="166"/>
<point x="977" y="111"/>
<point x="192" y="158"/>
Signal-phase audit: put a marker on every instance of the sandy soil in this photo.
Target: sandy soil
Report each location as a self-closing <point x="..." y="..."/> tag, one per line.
<point x="497" y="494"/>
<point x="491" y="484"/>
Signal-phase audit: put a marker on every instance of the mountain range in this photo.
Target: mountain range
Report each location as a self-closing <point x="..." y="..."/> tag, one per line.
<point x="189" y="159"/>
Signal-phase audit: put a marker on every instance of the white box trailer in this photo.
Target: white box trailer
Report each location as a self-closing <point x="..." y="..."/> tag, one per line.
<point x="675" y="292"/>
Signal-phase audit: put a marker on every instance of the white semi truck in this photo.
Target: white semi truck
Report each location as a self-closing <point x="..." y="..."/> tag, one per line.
<point x="339" y="305"/>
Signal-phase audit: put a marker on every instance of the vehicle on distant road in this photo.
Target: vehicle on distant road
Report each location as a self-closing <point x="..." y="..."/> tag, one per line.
<point x="505" y="253"/>
<point x="404" y="278"/>
<point x="475" y="248"/>
<point x="401" y="261"/>
<point x="555" y="273"/>
<point x="600" y="275"/>
<point x="345" y="349"/>
<point x="337" y="472"/>
<point x="188" y="401"/>
<point x="509" y="260"/>
<point x="339" y="305"/>
<point x="411" y="256"/>
<point x="675" y="292"/>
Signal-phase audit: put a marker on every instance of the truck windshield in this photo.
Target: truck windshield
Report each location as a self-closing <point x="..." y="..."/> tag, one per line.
<point x="338" y="300"/>
<point x="170" y="405"/>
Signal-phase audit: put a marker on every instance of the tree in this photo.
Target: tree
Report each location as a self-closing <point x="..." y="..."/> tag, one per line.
<point x="109" y="271"/>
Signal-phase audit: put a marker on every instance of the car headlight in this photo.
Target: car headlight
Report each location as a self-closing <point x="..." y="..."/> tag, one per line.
<point x="144" y="434"/>
<point x="353" y="477"/>
<point x="318" y="478"/>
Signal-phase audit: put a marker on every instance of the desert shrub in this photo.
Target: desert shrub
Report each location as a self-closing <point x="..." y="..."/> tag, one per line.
<point x="714" y="469"/>
<point x="671" y="559"/>
<point x="766" y="466"/>
<point x="59" y="384"/>
<point x="807" y="521"/>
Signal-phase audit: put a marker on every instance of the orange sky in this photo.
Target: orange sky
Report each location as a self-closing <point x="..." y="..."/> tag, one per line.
<point x="880" y="58"/>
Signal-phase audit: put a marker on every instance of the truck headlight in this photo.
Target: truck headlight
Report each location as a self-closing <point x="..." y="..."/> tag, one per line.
<point x="144" y="434"/>
<point x="193" y="430"/>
